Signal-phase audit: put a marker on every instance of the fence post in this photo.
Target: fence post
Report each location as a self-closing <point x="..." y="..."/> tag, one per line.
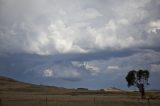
<point x="46" y="100"/>
<point x="149" y="102"/>
<point x="94" y="100"/>
<point x="0" y="102"/>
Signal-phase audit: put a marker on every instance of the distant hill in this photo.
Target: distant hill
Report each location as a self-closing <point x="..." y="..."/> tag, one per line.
<point x="12" y="85"/>
<point x="113" y="89"/>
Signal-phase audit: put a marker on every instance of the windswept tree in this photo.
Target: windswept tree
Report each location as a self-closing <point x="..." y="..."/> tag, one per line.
<point x="138" y="79"/>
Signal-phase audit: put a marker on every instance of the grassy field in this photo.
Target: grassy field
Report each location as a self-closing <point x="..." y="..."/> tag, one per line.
<point x="78" y="99"/>
<point x="15" y="93"/>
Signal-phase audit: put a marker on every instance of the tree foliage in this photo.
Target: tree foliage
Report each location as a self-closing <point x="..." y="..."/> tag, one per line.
<point x="137" y="77"/>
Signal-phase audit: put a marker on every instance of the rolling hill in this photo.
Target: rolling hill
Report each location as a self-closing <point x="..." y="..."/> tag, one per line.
<point x="113" y="89"/>
<point x="11" y="85"/>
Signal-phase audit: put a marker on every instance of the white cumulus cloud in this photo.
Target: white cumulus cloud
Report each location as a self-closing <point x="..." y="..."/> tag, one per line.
<point x="48" y="73"/>
<point x="154" y="26"/>
<point x="90" y="13"/>
<point x="113" y="67"/>
<point x="59" y="27"/>
<point x="155" y="68"/>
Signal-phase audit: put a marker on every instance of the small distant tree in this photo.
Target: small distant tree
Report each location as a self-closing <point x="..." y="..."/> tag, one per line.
<point x="138" y="79"/>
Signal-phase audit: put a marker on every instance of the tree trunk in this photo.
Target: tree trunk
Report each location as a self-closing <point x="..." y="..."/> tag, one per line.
<point x="141" y="90"/>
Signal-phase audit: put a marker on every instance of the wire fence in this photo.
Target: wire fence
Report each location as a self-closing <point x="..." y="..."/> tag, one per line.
<point x="94" y="102"/>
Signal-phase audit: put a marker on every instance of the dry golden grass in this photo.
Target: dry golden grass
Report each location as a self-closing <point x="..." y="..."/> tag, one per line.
<point x="106" y="99"/>
<point x="14" y="93"/>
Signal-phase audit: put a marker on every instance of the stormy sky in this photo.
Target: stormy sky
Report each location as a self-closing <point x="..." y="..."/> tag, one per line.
<point x="79" y="43"/>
